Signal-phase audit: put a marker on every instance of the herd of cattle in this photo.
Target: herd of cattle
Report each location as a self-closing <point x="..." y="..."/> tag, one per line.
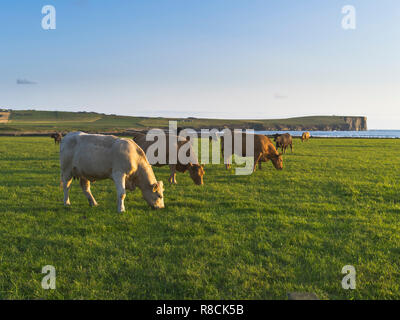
<point x="91" y="157"/>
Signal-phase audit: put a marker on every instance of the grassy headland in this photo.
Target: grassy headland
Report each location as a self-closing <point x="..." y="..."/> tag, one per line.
<point x="49" y="121"/>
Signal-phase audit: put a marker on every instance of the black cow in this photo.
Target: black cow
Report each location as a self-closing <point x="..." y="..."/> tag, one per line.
<point x="57" y="136"/>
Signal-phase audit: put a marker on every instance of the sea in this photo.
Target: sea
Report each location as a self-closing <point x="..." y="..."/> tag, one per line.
<point x="379" y="134"/>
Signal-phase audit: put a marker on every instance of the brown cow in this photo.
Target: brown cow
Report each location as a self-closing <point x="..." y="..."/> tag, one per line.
<point x="305" y="136"/>
<point x="196" y="171"/>
<point x="264" y="150"/>
<point x="283" y="141"/>
<point x="57" y="136"/>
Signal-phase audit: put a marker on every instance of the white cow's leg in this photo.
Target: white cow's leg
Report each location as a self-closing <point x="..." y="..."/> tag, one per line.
<point x="85" y="185"/>
<point x="119" y="180"/>
<point x="172" y="177"/>
<point x="66" y="180"/>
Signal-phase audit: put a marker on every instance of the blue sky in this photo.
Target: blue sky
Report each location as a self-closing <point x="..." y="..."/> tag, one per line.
<point x="209" y="58"/>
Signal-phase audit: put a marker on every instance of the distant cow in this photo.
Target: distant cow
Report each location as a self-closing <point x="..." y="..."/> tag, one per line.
<point x="305" y="136"/>
<point x="283" y="141"/>
<point x="91" y="157"/>
<point x="57" y="136"/>
<point x="196" y="171"/>
<point x="264" y="150"/>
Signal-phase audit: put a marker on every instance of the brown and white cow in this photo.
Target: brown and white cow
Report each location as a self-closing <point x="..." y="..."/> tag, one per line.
<point x="264" y="150"/>
<point x="196" y="171"/>
<point x="305" y="136"/>
<point x="91" y="157"/>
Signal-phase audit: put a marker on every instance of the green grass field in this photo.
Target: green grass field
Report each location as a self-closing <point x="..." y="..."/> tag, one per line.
<point x="336" y="203"/>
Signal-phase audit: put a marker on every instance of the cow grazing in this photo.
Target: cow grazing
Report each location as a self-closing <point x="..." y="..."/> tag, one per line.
<point x="305" y="136"/>
<point x="196" y="171"/>
<point x="57" y="136"/>
<point x="283" y="141"/>
<point x="264" y="150"/>
<point x="91" y="157"/>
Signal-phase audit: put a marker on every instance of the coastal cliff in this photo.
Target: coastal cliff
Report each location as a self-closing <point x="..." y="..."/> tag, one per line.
<point x="356" y="123"/>
<point x="332" y="123"/>
<point x="314" y="123"/>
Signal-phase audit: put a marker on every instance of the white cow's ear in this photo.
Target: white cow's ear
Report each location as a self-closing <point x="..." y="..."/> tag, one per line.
<point x="161" y="184"/>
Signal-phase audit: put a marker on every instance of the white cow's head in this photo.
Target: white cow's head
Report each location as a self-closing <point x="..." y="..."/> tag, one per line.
<point x="154" y="195"/>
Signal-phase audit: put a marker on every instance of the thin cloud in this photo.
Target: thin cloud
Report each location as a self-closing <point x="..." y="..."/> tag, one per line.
<point x="25" y="81"/>
<point x="280" y="96"/>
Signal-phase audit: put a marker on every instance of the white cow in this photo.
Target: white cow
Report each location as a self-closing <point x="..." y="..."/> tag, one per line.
<point x="91" y="157"/>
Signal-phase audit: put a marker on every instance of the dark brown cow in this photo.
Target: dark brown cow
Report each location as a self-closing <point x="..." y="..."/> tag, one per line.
<point x="196" y="171"/>
<point x="283" y="141"/>
<point x="264" y="150"/>
<point x="57" y="136"/>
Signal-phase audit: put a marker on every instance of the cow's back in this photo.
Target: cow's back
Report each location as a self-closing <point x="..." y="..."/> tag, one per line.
<point x="140" y="139"/>
<point x="284" y="139"/>
<point x="287" y="138"/>
<point x="262" y="144"/>
<point x="95" y="157"/>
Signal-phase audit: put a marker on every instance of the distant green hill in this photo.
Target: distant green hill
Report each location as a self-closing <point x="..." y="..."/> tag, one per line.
<point x="23" y="121"/>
